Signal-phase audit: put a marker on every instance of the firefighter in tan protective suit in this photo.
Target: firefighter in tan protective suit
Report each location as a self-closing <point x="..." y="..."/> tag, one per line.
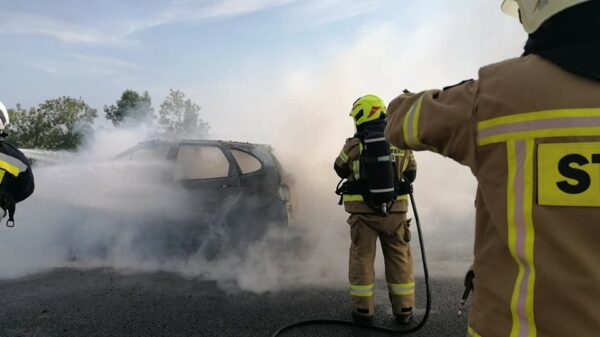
<point x="529" y="130"/>
<point x="367" y="223"/>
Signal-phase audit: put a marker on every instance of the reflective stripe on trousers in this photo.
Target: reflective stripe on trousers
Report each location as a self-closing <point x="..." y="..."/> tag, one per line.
<point x="401" y="289"/>
<point x="362" y="290"/>
<point x="472" y="333"/>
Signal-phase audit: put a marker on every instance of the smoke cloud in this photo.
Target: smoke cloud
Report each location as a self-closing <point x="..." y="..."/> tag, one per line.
<point x="88" y="201"/>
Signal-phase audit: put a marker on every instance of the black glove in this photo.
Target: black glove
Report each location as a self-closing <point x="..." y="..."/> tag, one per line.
<point x="410" y="176"/>
<point x="469" y="277"/>
<point x="405" y="188"/>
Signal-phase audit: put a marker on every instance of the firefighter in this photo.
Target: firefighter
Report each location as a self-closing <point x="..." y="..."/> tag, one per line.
<point x="367" y="223"/>
<point x="529" y="130"/>
<point x="16" y="177"/>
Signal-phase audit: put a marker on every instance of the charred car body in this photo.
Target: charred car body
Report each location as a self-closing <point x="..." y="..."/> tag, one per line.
<point x="234" y="192"/>
<point x="163" y="198"/>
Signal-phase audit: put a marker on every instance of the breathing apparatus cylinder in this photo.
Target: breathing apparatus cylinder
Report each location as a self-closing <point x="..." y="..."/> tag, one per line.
<point x="378" y="163"/>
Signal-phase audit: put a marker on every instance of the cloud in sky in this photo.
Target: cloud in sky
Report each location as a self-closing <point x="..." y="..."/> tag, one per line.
<point x="48" y="69"/>
<point x="190" y="11"/>
<point x="106" y="63"/>
<point x="324" y="12"/>
<point x="30" y="24"/>
<point x="232" y="8"/>
<point x="115" y="31"/>
<point x="68" y="63"/>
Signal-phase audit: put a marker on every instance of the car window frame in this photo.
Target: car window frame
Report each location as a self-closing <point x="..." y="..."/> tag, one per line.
<point x="232" y="173"/>
<point x="129" y="155"/>
<point x="248" y="152"/>
<point x="126" y="155"/>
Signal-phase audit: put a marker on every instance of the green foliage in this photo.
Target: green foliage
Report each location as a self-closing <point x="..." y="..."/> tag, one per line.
<point x="17" y="118"/>
<point x="63" y="123"/>
<point x="130" y="109"/>
<point x="179" y="117"/>
<point x="56" y="124"/>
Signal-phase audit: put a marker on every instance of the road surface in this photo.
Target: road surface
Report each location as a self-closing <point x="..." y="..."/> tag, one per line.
<point x="104" y="302"/>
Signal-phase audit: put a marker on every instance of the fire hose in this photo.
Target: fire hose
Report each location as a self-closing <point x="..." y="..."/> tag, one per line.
<point x="405" y="331"/>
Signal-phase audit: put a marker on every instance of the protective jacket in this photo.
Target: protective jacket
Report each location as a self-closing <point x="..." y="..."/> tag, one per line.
<point x="529" y="131"/>
<point x="16" y="177"/>
<point x="348" y="165"/>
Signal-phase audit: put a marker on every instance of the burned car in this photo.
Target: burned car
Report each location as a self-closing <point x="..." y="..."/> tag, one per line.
<point x="160" y="199"/>
<point x="234" y="191"/>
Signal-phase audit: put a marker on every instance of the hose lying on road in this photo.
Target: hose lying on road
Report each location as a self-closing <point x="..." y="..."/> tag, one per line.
<point x="373" y="327"/>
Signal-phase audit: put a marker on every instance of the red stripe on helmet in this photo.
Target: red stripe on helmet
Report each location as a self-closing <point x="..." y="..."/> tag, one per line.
<point x="374" y="110"/>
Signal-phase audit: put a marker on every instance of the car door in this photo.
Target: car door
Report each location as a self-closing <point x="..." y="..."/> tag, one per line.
<point x="209" y="177"/>
<point x="260" y="192"/>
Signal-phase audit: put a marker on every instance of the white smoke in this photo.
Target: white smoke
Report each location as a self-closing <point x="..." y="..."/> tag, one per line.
<point x="301" y="109"/>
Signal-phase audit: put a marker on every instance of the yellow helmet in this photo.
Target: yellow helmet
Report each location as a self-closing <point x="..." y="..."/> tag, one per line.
<point x="367" y="108"/>
<point x="533" y="13"/>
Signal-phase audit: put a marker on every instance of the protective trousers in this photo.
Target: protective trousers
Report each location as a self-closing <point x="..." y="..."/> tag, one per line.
<point x="394" y="235"/>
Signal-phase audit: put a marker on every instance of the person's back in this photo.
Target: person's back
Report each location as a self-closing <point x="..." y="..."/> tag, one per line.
<point x="543" y="111"/>
<point x="538" y="136"/>
<point x="529" y="129"/>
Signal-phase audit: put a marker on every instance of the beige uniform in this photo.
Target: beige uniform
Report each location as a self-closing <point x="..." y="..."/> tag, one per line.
<point x="366" y="226"/>
<point x="530" y="132"/>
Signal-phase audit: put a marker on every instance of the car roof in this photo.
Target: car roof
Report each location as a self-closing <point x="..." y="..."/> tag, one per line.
<point x="228" y="143"/>
<point x="263" y="151"/>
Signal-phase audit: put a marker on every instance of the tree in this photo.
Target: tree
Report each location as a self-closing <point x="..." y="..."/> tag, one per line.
<point x="17" y="118"/>
<point x="56" y="124"/>
<point x="179" y="118"/>
<point x="130" y="109"/>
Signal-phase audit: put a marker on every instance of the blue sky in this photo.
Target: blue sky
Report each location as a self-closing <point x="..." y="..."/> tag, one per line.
<point x="224" y="51"/>
<point x="97" y="49"/>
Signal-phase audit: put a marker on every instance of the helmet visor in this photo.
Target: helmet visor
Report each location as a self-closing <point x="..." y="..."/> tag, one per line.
<point x="511" y="7"/>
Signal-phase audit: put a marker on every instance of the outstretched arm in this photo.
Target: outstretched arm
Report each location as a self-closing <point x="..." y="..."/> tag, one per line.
<point x="437" y="120"/>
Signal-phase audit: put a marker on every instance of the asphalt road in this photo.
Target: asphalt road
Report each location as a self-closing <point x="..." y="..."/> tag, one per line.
<point x="103" y="302"/>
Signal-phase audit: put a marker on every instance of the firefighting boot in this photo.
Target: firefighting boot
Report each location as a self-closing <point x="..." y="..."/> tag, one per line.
<point x="362" y="317"/>
<point x="405" y="316"/>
